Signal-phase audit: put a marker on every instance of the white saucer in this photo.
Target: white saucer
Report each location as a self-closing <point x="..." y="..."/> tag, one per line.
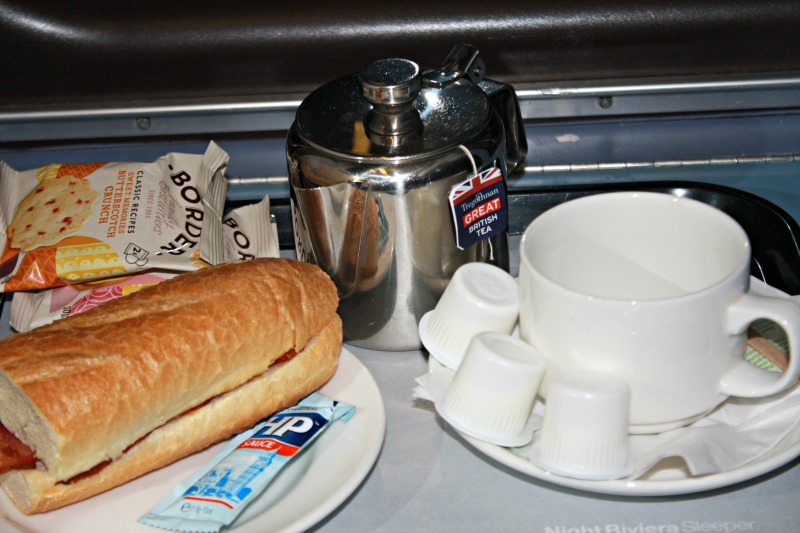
<point x="306" y="492"/>
<point x="668" y="478"/>
<point x="664" y="480"/>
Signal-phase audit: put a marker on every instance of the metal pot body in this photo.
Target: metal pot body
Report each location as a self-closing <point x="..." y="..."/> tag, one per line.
<point x="371" y="189"/>
<point x="385" y="235"/>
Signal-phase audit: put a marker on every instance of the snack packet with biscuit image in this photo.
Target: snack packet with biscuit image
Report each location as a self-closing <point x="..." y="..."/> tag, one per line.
<point x="64" y="224"/>
<point x="248" y="232"/>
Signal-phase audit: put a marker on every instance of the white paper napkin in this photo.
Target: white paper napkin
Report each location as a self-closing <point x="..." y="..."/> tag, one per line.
<point x="738" y="432"/>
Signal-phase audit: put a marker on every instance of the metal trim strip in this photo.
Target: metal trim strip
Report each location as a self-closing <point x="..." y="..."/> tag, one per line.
<point x="277" y="113"/>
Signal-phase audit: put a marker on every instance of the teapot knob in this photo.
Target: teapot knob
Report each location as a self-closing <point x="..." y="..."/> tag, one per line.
<point x="390" y="82"/>
<point x="391" y="86"/>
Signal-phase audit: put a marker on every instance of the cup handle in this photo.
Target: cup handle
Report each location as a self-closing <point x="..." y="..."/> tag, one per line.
<point x="747" y="380"/>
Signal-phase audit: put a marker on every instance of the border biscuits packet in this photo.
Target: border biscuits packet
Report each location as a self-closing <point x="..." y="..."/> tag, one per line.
<point x="248" y="232"/>
<point x="71" y="223"/>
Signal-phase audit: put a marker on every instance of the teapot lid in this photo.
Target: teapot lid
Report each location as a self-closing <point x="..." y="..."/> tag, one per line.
<point x="392" y="109"/>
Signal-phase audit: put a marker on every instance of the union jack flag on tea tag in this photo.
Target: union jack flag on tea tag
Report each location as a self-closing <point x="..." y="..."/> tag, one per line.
<point x="479" y="208"/>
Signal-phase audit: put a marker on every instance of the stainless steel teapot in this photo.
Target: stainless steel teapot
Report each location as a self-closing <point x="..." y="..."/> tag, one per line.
<point x="397" y="179"/>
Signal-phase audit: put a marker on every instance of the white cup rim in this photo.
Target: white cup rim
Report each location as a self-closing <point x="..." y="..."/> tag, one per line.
<point x="743" y="264"/>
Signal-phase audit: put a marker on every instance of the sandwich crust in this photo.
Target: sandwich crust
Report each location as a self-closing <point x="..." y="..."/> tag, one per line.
<point x="282" y="385"/>
<point x="82" y="390"/>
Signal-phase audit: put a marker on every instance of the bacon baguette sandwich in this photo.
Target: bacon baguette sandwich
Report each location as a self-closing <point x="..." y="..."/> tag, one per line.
<point x="97" y="399"/>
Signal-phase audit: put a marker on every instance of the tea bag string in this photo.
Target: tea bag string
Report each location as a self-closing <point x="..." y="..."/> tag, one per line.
<point x="471" y="159"/>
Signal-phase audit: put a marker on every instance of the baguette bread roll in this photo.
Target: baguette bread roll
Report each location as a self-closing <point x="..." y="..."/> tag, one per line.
<point x="84" y="389"/>
<point x="283" y="385"/>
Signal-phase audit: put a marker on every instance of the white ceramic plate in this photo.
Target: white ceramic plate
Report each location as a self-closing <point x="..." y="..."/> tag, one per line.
<point x="666" y="479"/>
<point x="305" y="493"/>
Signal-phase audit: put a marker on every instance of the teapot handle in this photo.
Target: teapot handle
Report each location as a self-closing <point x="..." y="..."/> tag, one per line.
<point x="464" y="61"/>
<point x="505" y="103"/>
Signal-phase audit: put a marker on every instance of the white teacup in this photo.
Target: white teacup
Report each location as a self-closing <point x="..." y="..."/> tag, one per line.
<point x="653" y="289"/>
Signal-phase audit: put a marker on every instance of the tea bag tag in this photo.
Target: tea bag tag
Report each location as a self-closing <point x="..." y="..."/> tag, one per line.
<point x="478" y="207"/>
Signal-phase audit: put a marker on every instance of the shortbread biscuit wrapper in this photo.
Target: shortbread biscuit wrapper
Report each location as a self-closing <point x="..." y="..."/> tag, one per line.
<point x="64" y="224"/>
<point x="248" y="233"/>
